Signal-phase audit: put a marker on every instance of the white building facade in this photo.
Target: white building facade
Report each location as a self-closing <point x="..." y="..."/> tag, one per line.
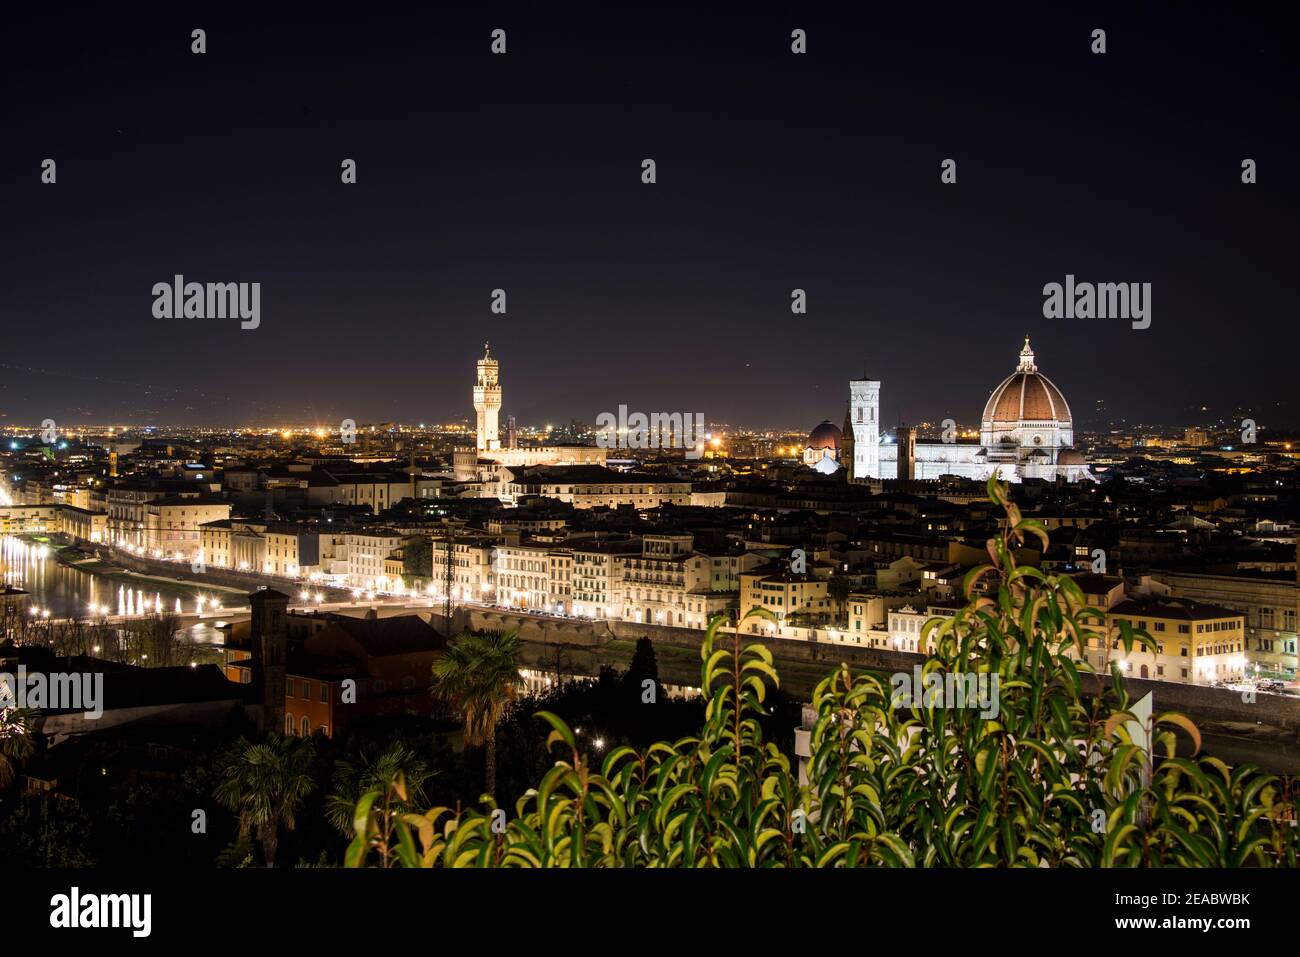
<point x="1026" y="431"/>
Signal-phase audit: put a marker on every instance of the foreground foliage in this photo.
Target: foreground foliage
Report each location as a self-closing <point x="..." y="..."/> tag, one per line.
<point x="1056" y="778"/>
<point x="265" y="784"/>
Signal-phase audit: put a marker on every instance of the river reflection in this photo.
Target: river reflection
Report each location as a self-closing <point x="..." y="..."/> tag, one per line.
<point x="67" y="591"/>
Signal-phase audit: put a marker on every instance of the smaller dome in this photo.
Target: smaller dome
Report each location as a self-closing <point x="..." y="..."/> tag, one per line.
<point x="1071" y="457"/>
<point x="825" y="436"/>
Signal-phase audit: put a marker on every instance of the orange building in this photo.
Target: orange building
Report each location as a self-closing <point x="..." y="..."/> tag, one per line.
<point x="353" y="669"/>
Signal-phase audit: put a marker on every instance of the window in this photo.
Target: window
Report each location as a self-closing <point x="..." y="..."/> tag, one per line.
<point x="288" y="724"/>
<point x="288" y="686"/>
<point x="306" y="689"/>
<point x="324" y="692"/>
<point x="306" y="726"/>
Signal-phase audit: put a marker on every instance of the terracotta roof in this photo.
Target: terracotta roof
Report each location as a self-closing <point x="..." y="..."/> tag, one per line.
<point x="1181" y="609"/>
<point x="1026" y="395"/>
<point x="380" y="637"/>
<point x="825" y="436"/>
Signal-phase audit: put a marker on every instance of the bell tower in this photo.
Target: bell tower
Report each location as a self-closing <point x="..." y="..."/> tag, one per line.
<point x="487" y="402"/>
<point x="864" y="420"/>
<point x="270" y="646"/>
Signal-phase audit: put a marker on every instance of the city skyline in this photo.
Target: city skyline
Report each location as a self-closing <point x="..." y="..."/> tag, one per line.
<point x="1090" y="419"/>
<point x="774" y="173"/>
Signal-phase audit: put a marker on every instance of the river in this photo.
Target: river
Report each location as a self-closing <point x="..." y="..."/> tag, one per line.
<point x="67" y="591"/>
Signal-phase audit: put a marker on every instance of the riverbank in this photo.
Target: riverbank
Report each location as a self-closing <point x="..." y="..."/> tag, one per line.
<point x="74" y="557"/>
<point x="227" y="579"/>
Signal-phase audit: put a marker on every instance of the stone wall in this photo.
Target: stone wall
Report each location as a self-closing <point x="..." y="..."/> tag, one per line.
<point x="1220" y="704"/>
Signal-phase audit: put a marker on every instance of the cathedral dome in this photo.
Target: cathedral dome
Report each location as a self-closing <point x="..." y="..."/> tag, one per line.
<point x="825" y="436"/>
<point x="1071" y="457"/>
<point x="1026" y="396"/>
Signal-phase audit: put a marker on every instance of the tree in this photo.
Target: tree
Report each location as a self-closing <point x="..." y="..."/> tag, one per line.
<point x="366" y="771"/>
<point x="16" y="744"/>
<point x="479" y="674"/>
<point x="839" y="589"/>
<point x="417" y="558"/>
<point x="266" y="784"/>
<point x="560" y="663"/>
<point x="640" y="701"/>
<point x="644" y="666"/>
<point x="158" y="641"/>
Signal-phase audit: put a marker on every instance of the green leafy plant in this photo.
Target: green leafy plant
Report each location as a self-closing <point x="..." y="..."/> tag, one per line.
<point x="358" y="774"/>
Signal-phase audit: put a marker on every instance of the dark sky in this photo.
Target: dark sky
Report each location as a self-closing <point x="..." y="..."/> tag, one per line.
<point x="522" y="172"/>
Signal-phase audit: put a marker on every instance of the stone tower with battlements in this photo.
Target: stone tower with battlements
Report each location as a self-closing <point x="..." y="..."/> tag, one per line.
<point x="487" y="402"/>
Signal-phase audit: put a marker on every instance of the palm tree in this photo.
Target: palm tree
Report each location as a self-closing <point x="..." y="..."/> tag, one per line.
<point x="16" y="744"/>
<point x="356" y="776"/>
<point x="478" y="673"/>
<point x="266" y="784"/>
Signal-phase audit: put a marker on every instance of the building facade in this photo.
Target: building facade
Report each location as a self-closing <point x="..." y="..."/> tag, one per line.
<point x="1266" y="601"/>
<point x="1026" y="431"/>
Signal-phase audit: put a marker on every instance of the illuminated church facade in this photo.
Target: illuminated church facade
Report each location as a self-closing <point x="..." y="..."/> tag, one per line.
<point x="1026" y="431"/>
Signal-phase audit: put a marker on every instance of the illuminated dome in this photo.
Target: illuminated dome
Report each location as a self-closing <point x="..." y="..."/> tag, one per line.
<point x="1026" y="434"/>
<point x="1026" y="396"/>
<point x="1026" y="423"/>
<point x="825" y="436"/>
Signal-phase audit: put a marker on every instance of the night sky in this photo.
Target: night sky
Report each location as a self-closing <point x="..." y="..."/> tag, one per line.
<point x="523" y="172"/>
